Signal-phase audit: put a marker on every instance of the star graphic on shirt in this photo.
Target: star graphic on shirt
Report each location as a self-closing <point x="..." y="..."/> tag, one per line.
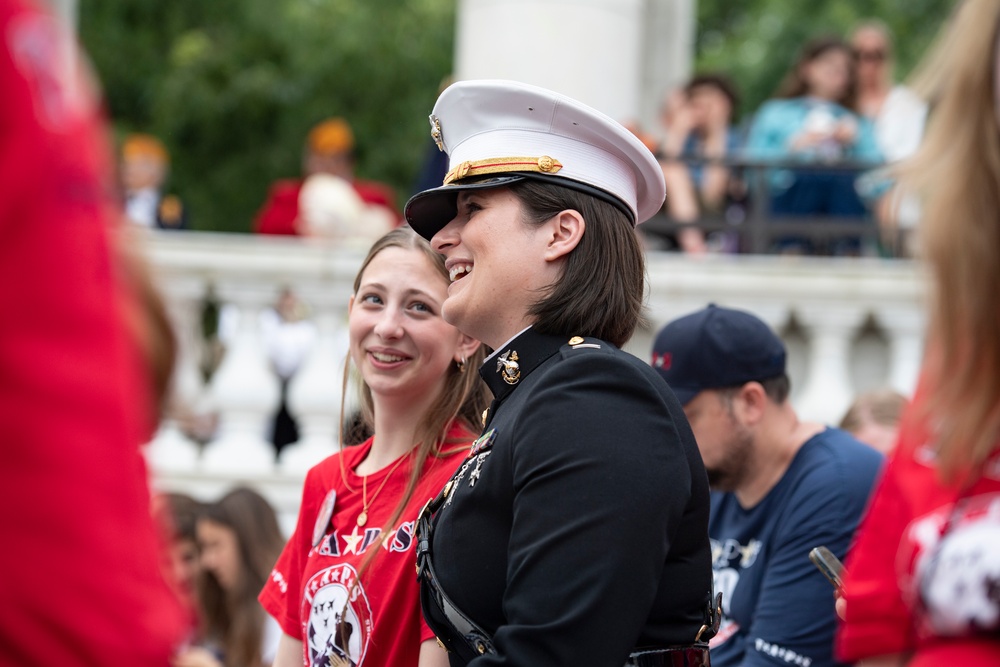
<point x="352" y="541"/>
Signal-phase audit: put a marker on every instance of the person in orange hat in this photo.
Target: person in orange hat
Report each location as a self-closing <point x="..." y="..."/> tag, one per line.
<point x="329" y="150"/>
<point x="145" y="164"/>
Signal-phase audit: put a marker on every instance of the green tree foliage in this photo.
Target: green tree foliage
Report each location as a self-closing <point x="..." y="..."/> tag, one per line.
<point x="756" y="41"/>
<point x="233" y="87"/>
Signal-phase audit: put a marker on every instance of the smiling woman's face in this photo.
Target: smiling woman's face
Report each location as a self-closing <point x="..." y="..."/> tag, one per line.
<point x="496" y="264"/>
<point x="399" y="340"/>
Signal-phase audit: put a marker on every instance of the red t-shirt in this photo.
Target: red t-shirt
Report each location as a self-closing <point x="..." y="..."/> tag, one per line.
<point x="81" y="579"/>
<point x="281" y="210"/>
<point x="920" y="535"/>
<point x="308" y="590"/>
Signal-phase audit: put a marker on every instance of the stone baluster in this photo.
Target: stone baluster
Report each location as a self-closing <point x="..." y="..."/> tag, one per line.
<point x="904" y="327"/>
<point x="244" y="389"/>
<point x="170" y="449"/>
<point x="314" y="395"/>
<point x="830" y="328"/>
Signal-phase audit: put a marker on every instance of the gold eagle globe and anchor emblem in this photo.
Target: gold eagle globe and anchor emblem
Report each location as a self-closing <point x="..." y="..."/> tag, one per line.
<point x="507" y="363"/>
<point x="436" y="134"/>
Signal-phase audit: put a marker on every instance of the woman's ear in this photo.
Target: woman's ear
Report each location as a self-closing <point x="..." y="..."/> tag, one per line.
<point x="350" y="304"/>
<point x="566" y="229"/>
<point x="467" y="346"/>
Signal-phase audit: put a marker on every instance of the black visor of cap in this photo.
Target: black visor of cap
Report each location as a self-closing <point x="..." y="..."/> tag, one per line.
<point x="429" y="211"/>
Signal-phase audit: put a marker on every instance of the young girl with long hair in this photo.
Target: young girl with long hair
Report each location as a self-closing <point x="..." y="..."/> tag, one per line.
<point x="344" y="589"/>
<point x="238" y="543"/>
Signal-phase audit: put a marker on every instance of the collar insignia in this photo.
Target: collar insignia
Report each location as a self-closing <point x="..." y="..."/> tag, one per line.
<point x="508" y="364"/>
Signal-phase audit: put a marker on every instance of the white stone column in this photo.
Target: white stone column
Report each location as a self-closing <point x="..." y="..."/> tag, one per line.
<point x="904" y="327"/>
<point x="590" y="50"/>
<point x="667" y="55"/>
<point x="244" y="390"/>
<point x="830" y="328"/>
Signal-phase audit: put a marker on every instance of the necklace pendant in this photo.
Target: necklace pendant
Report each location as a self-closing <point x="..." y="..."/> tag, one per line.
<point x="362" y="519"/>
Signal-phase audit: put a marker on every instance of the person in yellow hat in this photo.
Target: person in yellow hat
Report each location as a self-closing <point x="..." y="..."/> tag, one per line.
<point x="145" y="165"/>
<point x="329" y="150"/>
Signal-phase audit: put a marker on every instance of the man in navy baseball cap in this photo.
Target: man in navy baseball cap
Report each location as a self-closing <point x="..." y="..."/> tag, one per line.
<point x="780" y="486"/>
<point x="715" y="348"/>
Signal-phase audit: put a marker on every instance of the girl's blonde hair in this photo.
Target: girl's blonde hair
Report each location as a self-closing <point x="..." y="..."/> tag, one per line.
<point x="957" y="171"/>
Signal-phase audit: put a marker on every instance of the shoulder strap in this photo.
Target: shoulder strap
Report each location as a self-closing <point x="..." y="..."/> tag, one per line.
<point x="477" y="639"/>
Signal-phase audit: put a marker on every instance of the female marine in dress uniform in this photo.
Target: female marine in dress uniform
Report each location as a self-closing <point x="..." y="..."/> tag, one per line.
<point x="575" y="532"/>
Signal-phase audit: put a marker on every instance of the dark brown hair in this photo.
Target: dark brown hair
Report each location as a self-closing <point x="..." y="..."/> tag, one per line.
<point x="235" y="617"/>
<point x="601" y="290"/>
<point x="720" y="82"/>
<point x="795" y="85"/>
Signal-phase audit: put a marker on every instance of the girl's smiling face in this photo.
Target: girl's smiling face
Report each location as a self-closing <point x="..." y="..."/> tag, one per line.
<point x="398" y="338"/>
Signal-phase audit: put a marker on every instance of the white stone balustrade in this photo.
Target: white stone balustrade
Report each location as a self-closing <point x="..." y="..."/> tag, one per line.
<point x="850" y="325"/>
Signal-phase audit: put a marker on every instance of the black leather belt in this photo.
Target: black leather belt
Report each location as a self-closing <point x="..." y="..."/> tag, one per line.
<point x="695" y="655"/>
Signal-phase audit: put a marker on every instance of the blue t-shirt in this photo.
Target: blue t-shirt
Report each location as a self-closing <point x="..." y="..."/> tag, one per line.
<point x="778" y="609"/>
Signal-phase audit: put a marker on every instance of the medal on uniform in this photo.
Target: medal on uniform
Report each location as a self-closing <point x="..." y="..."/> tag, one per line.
<point x="480" y="450"/>
<point x="482" y="442"/>
<point x="323" y="518"/>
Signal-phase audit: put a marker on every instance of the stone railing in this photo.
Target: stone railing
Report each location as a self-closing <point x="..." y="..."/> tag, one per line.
<point x="850" y="325"/>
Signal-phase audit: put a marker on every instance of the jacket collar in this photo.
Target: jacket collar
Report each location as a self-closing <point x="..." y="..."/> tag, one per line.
<point x="509" y="365"/>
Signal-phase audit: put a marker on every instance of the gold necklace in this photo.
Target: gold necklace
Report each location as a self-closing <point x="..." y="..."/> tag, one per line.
<point x="365" y="503"/>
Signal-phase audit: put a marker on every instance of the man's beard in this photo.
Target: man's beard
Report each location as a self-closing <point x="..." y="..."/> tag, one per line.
<point x="732" y="469"/>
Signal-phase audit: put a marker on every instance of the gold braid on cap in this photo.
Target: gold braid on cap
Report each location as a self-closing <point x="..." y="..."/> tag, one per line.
<point x="500" y="165"/>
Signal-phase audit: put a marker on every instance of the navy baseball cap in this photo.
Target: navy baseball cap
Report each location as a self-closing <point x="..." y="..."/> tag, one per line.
<point x="715" y="348"/>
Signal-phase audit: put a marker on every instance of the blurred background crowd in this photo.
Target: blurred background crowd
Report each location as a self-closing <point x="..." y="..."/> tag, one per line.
<point x="241" y="101"/>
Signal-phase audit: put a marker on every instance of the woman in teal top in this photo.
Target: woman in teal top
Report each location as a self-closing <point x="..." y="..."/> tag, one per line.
<point x="812" y="120"/>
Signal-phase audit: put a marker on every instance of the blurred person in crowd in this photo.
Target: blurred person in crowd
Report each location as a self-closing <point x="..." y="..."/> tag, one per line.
<point x="920" y="587"/>
<point x="330" y="208"/>
<point x="898" y="115"/>
<point x="813" y="120"/>
<point x="177" y="515"/>
<point x="699" y="126"/>
<point x="83" y="581"/>
<point x="780" y="487"/>
<point x="288" y="336"/>
<point x="873" y="418"/>
<point x="344" y="590"/>
<point x="238" y="543"/>
<point x="329" y="150"/>
<point x="144" y="165"/>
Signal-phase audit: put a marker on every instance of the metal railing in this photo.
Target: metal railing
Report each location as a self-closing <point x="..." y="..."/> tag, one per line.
<point x="760" y="229"/>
